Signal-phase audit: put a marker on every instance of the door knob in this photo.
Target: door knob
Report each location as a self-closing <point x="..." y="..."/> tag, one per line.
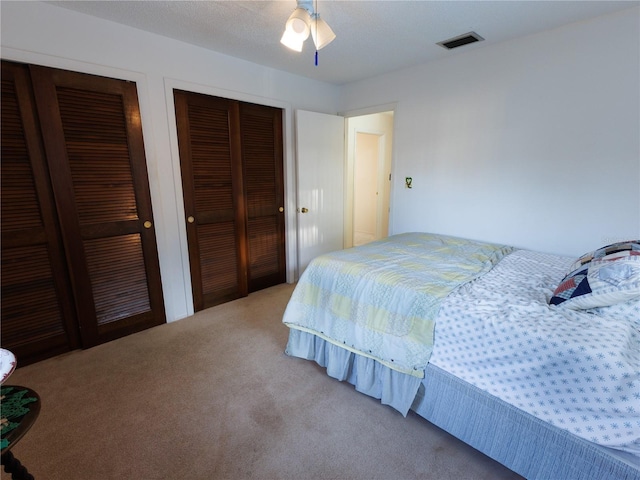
<point x="190" y="219"/>
<point x="304" y="210"/>
<point x="281" y="209"/>
<point x="147" y="224"/>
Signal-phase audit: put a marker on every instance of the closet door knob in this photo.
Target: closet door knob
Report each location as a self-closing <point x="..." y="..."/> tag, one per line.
<point x="147" y="224"/>
<point x="304" y="210"/>
<point x="281" y="209"/>
<point x="190" y="219"/>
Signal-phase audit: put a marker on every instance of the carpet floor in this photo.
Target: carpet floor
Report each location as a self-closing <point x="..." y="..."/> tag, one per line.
<point x="213" y="396"/>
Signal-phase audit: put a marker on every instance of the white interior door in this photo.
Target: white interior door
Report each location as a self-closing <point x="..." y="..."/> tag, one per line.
<point x="320" y="162"/>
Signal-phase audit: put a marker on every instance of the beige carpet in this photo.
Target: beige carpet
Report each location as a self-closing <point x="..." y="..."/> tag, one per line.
<point x="213" y="396"/>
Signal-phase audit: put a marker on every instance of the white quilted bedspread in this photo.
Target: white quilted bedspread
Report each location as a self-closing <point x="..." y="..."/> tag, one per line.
<point x="575" y="369"/>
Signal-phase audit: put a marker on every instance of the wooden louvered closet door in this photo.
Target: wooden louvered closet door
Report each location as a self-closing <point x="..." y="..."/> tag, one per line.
<point x="231" y="164"/>
<point x="92" y="139"/>
<point x="261" y="134"/>
<point x="213" y="197"/>
<point x="38" y="318"/>
<point x="94" y="146"/>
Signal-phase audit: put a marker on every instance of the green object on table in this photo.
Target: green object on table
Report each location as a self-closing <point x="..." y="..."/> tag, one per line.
<point x="13" y="401"/>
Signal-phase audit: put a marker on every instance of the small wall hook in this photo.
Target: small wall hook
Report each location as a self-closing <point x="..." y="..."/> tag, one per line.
<point x="407" y="181"/>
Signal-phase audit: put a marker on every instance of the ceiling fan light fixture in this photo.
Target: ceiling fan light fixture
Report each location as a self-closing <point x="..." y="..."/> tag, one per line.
<point x="302" y="22"/>
<point x="321" y="32"/>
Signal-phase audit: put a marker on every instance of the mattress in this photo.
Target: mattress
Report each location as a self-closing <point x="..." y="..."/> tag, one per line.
<point x="571" y="368"/>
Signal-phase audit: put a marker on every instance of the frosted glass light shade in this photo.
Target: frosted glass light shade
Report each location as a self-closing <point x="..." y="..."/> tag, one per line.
<point x="298" y="23"/>
<point x="292" y="41"/>
<point x="321" y="32"/>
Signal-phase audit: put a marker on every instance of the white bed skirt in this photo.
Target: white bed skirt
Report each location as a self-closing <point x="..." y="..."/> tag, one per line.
<point x="368" y="376"/>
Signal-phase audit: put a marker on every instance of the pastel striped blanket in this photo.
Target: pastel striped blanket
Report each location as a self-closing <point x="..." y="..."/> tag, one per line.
<point x="380" y="300"/>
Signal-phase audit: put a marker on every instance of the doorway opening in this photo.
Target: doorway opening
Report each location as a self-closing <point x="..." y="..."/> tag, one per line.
<point x="368" y="178"/>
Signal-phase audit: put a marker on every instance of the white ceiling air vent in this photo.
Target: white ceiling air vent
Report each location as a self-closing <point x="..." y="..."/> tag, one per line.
<point x="461" y="40"/>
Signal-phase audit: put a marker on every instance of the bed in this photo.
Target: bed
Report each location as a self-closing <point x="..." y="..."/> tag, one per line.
<point x="531" y="358"/>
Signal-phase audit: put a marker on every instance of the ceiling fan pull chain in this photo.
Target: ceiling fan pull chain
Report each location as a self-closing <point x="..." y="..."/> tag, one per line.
<point x="316" y="25"/>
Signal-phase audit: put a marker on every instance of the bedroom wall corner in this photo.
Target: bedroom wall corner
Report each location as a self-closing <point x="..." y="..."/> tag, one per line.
<point x="533" y="142"/>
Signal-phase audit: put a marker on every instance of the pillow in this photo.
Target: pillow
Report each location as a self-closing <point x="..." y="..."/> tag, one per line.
<point x="601" y="278"/>
<point x="609" y="252"/>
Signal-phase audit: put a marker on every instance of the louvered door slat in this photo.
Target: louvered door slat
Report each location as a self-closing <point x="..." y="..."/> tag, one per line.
<point x="30" y="307"/>
<point x="118" y="277"/>
<point x="20" y="205"/>
<point x="264" y="248"/>
<point x="98" y="154"/>
<point x="219" y="258"/>
<point x="211" y="158"/>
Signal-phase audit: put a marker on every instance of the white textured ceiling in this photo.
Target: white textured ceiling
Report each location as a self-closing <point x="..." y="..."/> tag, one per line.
<point x="373" y="37"/>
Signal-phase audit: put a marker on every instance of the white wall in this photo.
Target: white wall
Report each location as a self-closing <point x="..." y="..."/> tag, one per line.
<point x="44" y="34"/>
<point x="533" y="142"/>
